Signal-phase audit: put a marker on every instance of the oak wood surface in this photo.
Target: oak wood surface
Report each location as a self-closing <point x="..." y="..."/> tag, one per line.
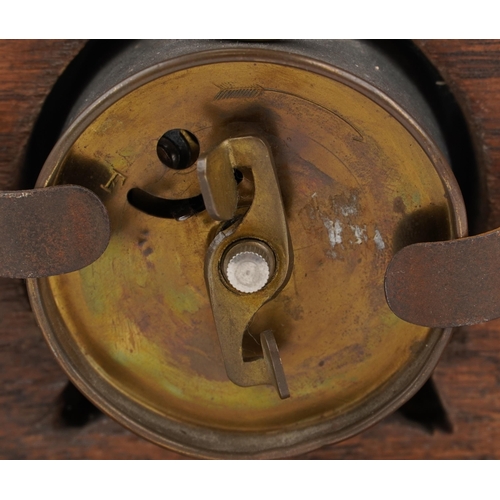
<point x="31" y="382"/>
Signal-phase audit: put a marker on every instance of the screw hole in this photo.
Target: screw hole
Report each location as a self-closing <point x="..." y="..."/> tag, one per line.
<point x="178" y="149"/>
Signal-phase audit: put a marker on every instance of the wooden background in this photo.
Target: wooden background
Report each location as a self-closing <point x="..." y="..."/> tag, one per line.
<point x="37" y="407"/>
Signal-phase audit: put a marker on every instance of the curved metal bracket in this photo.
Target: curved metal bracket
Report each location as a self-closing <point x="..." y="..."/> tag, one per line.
<point x="448" y="283"/>
<point x="264" y="221"/>
<point x="50" y="231"/>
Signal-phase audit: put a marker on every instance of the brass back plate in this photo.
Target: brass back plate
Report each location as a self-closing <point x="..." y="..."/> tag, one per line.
<point x="135" y="329"/>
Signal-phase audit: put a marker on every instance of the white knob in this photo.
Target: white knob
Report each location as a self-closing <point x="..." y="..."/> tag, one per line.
<point x="248" y="266"/>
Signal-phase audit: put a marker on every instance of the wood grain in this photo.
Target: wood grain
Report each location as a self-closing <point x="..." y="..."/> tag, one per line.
<point x="31" y="382"/>
<point x="28" y="70"/>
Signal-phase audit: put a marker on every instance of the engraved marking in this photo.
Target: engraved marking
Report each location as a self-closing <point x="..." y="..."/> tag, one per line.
<point x="332" y="153"/>
<point x="306" y="247"/>
<point x="114" y="175"/>
<point x="228" y="92"/>
<point x="359" y="137"/>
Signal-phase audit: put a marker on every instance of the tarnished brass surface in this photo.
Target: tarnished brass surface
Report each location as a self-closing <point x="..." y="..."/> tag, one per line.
<point x="359" y="181"/>
<point x="264" y="221"/>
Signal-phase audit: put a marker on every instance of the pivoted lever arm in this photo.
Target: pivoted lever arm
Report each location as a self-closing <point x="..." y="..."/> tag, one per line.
<point x="250" y="261"/>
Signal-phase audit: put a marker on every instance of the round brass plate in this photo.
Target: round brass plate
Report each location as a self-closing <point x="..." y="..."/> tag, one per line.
<point x="359" y="181"/>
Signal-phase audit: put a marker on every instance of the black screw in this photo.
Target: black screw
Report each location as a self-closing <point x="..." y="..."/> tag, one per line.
<point x="178" y="149"/>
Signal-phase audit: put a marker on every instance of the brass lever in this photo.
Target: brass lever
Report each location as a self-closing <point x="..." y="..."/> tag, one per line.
<point x="250" y="261"/>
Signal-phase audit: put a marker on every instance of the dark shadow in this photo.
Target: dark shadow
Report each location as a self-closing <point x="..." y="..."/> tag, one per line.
<point x="76" y="410"/>
<point x="425" y="225"/>
<point x="426" y="409"/>
<point x="164" y="208"/>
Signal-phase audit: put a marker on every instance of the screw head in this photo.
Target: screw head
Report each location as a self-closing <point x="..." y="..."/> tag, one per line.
<point x="248" y="265"/>
<point x="178" y="149"/>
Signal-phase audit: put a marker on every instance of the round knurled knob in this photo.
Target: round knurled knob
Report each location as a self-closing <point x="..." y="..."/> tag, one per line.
<point x="248" y="266"/>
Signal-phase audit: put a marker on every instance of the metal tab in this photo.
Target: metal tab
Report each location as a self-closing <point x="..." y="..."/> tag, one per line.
<point x="446" y="284"/>
<point x="50" y="231"/>
<point x="218" y="185"/>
